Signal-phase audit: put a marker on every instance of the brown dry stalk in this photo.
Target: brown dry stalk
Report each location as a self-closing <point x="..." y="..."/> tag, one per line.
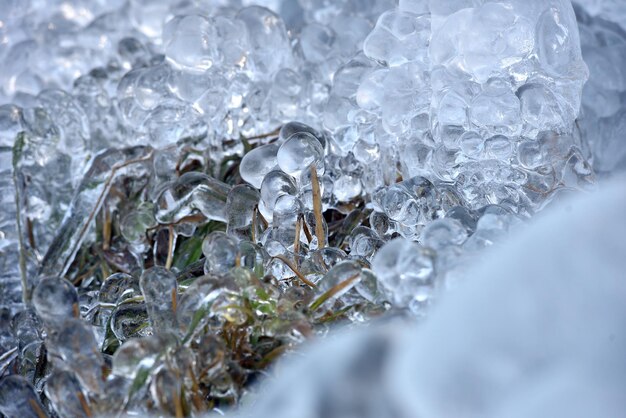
<point x="272" y="355"/>
<point x="295" y="270"/>
<point x="174" y="300"/>
<point x="262" y="136"/>
<point x="307" y="233"/>
<point x="31" y="234"/>
<point x="84" y="404"/>
<point x="262" y="218"/>
<point x="253" y="225"/>
<point x="106" y="229"/>
<point x="317" y="208"/>
<point x="178" y="404"/>
<point x="296" y="240"/>
<point x="40" y="413"/>
<point x="195" y="390"/>
<point x="170" y="248"/>
<point x="333" y="291"/>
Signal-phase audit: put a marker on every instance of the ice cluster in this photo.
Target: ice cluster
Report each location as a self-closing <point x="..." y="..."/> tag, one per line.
<point x="191" y="188"/>
<point x="508" y="344"/>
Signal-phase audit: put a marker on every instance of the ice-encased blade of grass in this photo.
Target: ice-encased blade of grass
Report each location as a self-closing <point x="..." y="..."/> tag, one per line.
<point x="88" y="198"/>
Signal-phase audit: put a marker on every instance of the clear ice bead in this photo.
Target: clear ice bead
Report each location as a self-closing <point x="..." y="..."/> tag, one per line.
<point x="137" y="355"/>
<point x="240" y="205"/>
<point x="398" y="37"/>
<point x="269" y="43"/>
<point x="299" y="152"/>
<point x="192" y="193"/>
<point x="130" y="320"/>
<point x="190" y="42"/>
<point x="290" y="128"/>
<point x="275" y="184"/>
<point x="364" y="242"/>
<point x="117" y="287"/>
<point x="27" y="328"/>
<point x="443" y="233"/>
<point x="220" y="251"/>
<point x="257" y="163"/>
<point x="55" y="300"/>
<point x="287" y="209"/>
<point x="135" y="224"/>
<point x="159" y="288"/>
<point x="345" y="273"/>
<point x="406" y="272"/>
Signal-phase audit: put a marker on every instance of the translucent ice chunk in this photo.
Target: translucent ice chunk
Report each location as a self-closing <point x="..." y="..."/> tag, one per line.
<point x="442" y="233"/>
<point x="192" y="193"/>
<point x="299" y="152"/>
<point x="18" y="398"/>
<point x="159" y="288"/>
<point x="65" y="393"/>
<point x="86" y="202"/>
<point x="117" y="287"/>
<point x="496" y="114"/>
<point x="220" y="251"/>
<point x="240" y="205"/>
<point x="316" y="42"/>
<point x="275" y="184"/>
<point x="398" y="37"/>
<point x="414" y="6"/>
<point x="269" y="42"/>
<point x="257" y="163"/>
<point x="75" y="344"/>
<point x="55" y="300"/>
<point x="503" y="37"/>
<point x="406" y="272"/>
<point x="191" y="42"/>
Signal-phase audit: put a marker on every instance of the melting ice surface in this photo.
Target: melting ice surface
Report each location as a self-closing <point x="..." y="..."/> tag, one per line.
<point x="171" y="171"/>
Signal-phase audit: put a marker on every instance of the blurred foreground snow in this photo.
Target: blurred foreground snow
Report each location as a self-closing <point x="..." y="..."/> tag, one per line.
<point x="538" y="331"/>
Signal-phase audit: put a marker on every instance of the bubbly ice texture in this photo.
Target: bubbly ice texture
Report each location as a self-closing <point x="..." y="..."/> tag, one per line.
<point x="438" y="124"/>
<point x="406" y="272"/>
<point x="513" y="329"/>
<point x="510" y="69"/>
<point x="514" y="44"/>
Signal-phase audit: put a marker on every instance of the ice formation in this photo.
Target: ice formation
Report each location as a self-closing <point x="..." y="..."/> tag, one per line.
<point x="520" y="340"/>
<point x="192" y="188"/>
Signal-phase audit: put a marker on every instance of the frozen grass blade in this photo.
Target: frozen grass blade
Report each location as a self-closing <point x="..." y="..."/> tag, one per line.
<point x="317" y="208"/>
